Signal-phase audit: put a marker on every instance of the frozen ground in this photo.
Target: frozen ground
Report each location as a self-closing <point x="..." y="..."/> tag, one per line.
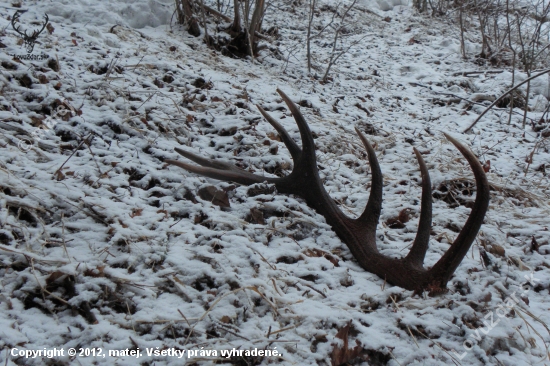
<point x="102" y="245"/>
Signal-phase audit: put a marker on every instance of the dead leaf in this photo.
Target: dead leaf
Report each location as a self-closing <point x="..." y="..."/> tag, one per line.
<point x="55" y="276"/>
<point x="59" y="175"/>
<point x="216" y="196"/>
<point x="497" y="250"/>
<point x="341" y="355"/>
<point x="321" y="253"/>
<point x="255" y="216"/>
<point x="95" y="272"/>
<point x="225" y="319"/>
<point x="136" y="212"/>
<point x="404" y="215"/>
<point x="487" y="166"/>
<point x="399" y="221"/>
<point x="274" y="136"/>
<point x="37" y="121"/>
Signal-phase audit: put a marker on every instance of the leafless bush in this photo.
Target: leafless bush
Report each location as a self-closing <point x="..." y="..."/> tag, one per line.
<point x="243" y="29"/>
<point x="340" y="23"/>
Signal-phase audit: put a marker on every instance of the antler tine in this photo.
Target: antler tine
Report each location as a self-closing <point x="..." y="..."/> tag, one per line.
<point x="370" y="216"/>
<point x="231" y="174"/>
<point x="290" y="144"/>
<point x="203" y="161"/>
<point x="420" y="245"/>
<point x="218" y="170"/>
<point x="448" y="263"/>
<point x="308" y="146"/>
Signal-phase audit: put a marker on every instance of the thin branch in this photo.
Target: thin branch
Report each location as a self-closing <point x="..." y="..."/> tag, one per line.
<point x="502" y="97"/>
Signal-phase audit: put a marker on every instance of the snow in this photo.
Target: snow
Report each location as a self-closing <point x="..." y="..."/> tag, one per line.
<point x="114" y="230"/>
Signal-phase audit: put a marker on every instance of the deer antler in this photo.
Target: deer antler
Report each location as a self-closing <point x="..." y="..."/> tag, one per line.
<point x="360" y="234"/>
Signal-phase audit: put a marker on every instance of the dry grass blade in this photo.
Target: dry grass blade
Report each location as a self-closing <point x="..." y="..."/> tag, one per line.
<point x="253" y="288"/>
<point x="519" y="310"/>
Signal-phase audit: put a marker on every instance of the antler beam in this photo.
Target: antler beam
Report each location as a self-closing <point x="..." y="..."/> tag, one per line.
<point x="360" y="234"/>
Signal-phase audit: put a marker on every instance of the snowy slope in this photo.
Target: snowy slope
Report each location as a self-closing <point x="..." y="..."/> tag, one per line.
<point x="102" y="245"/>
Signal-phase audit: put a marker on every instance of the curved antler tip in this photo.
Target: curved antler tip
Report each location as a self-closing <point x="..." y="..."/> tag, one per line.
<point x="366" y="143"/>
<point x="171" y="161"/>
<point x="361" y="135"/>
<point x="450" y="138"/>
<point x="417" y="153"/>
<point x="461" y="147"/>
<point x="283" y="95"/>
<point x="180" y="151"/>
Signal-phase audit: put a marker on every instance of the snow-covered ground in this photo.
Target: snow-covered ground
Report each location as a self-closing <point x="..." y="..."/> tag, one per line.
<point x="104" y="246"/>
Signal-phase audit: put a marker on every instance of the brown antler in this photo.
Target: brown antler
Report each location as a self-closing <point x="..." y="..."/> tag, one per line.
<point x="360" y="234"/>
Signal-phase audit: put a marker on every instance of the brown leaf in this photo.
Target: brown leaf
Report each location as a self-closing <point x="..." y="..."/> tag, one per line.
<point x="399" y="221"/>
<point x="55" y="276"/>
<point x="216" y="196"/>
<point x="320" y="253"/>
<point x="50" y="28"/>
<point x="255" y="216"/>
<point x="95" y="272"/>
<point x="344" y="354"/>
<point x="43" y="79"/>
<point x="487" y="166"/>
<point x="225" y="319"/>
<point x="487" y="297"/>
<point x="404" y="215"/>
<point x="75" y="42"/>
<point x="136" y="212"/>
<point x="497" y="250"/>
<point x="37" y="121"/>
<point x="274" y="136"/>
<point x="59" y="175"/>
